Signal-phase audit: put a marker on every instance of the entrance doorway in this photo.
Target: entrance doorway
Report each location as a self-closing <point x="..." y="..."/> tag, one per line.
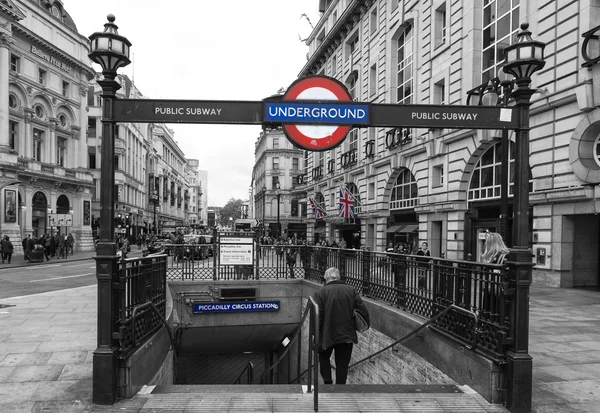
<point x="39" y="214"/>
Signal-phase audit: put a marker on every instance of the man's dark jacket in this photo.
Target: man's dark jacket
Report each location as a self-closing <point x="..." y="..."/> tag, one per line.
<point x="337" y="302"/>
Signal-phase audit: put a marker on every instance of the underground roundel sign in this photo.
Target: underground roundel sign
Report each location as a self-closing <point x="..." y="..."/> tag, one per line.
<point x="316" y="112"/>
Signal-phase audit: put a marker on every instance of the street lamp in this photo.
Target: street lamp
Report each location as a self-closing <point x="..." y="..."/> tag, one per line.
<point x="522" y="59"/>
<point x="278" y="193"/>
<point x="111" y="52"/>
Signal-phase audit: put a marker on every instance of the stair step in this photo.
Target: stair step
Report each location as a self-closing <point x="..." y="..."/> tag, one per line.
<point x="250" y="398"/>
<point x="296" y="388"/>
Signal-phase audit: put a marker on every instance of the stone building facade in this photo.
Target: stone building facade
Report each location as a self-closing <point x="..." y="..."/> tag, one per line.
<point x="45" y="186"/>
<point x="443" y="185"/>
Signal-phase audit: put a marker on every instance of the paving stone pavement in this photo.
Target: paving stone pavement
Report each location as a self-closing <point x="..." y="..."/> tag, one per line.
<point x="47" y="341"/>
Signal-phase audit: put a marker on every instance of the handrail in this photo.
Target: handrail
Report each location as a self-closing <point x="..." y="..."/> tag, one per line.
<point x="313" y="336"/>
<point x="422" y="326"/>
<point x="250" y="368"/>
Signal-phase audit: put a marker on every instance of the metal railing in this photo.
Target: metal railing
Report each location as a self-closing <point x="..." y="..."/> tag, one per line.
<point x="140" y="293"/>
<point x="249" y="370"/>
<point x="421" y="327"/>
<point x="312" y="312"/>
<point x="423" y="286"/>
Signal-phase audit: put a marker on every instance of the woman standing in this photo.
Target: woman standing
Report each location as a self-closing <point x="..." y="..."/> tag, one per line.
<point x="494" y="249"/>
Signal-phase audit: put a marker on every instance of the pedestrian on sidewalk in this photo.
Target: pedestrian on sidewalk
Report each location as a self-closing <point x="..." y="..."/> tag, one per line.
<point x="62" y="246"/>
<point x="43" y="241"/>
<point x="70" y="243"/>
<point x="25" y="245"/>
<point x="7" y="249"/>
<point x="337" y="303"/>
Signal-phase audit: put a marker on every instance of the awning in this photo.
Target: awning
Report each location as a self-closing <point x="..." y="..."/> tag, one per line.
<point x="320" y="230"/>
<point x="394" y="228"/>
<point x="409" y="228"/>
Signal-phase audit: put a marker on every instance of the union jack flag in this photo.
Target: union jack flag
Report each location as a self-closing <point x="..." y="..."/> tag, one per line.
<point x="346" y="209"/>
<point x="317" y="209"/>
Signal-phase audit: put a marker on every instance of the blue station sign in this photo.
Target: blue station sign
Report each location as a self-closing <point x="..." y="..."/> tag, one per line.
<point x="315" y="113"/>
<point x="234" y="307"/>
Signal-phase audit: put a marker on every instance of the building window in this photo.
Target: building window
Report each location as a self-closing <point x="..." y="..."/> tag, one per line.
<point x="373" y="80"/>
<point x="352" y="45"/>
<point x="65" y="89"/>
<point x="62" y="120"/>
<point x="405" y="66"/>
<point x="295" y="164"/>
<point x="39" y="111"/>
<point x="334" y="65"/>
<point x="12" y="101"/>
<point x="438" y="176"/>
<point x="439" y="93"/>
<point x="61" y="151"/>
<point x="274" y="181"/>
<point x="275" y="163"/>
<point x="42" y="75"/>
<point x="404" y="192"/>
<point x="597" y="150"/>
<point x="38" y="140"/>
<point x="485" y="179"/>
<point x="371" y="190"/>
<point x="500" y="23"/>
<point x="13" y="134"/>
<point x="275" y="143"/>
<point x="15" y="63"/>
<point x="373" y="20"/>
<point x="92" y="158"/>
<point x="441" y="28"/>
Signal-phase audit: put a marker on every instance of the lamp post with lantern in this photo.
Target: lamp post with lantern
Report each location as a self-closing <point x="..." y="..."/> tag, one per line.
<point x="522" y="59"/>
<point x="111" y="51"/>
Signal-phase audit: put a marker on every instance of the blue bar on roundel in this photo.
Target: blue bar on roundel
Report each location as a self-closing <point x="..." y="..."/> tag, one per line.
<point x="317" y="113"/>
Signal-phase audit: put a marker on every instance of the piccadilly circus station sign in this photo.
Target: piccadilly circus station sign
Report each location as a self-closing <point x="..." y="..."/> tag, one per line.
<point x="316" y="113"/>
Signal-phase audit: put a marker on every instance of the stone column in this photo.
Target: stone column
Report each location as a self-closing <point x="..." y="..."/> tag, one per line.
<point x="82" y="153"/>
<point x="5" y="43"/>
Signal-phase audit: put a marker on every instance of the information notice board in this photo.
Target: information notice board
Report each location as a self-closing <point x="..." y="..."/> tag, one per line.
<point x="236" y="250"/>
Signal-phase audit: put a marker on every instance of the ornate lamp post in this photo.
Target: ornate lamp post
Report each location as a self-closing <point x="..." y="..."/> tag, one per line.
<point x="523" y="58"/>
<point x="111" y="52"/>
<point x="278" y="193"/>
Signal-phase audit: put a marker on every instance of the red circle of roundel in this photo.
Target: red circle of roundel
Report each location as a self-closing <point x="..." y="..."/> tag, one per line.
<point x="307" y="142"/>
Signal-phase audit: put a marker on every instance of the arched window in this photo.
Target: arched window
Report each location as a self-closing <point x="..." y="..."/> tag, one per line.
<point x="485" y="179"/>
<point x="63" y="205"/>
<point x="404" y="193"/>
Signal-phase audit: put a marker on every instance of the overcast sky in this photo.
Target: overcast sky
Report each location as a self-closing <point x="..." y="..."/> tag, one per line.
<point x="209" y="50"/>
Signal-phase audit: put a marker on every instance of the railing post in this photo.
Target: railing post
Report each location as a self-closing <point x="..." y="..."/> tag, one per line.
<point x="366" y="270"/>
<point x="105" y="370"/>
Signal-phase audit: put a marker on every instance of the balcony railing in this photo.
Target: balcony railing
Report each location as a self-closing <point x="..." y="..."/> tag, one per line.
<point x="317" y="172"/>
<point x="397" y="137"/>
<point x="331" y="166"/>
<point x="349" y="158"/>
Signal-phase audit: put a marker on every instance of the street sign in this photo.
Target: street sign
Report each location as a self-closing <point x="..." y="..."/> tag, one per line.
<point x="443" y="116"/>
<point x="60" y="220"/>
<point x="329" y="122"/>
<point x="188" y="111"/>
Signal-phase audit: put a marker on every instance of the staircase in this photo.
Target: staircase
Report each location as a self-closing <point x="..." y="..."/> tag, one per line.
<point x="295" y="398"/>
